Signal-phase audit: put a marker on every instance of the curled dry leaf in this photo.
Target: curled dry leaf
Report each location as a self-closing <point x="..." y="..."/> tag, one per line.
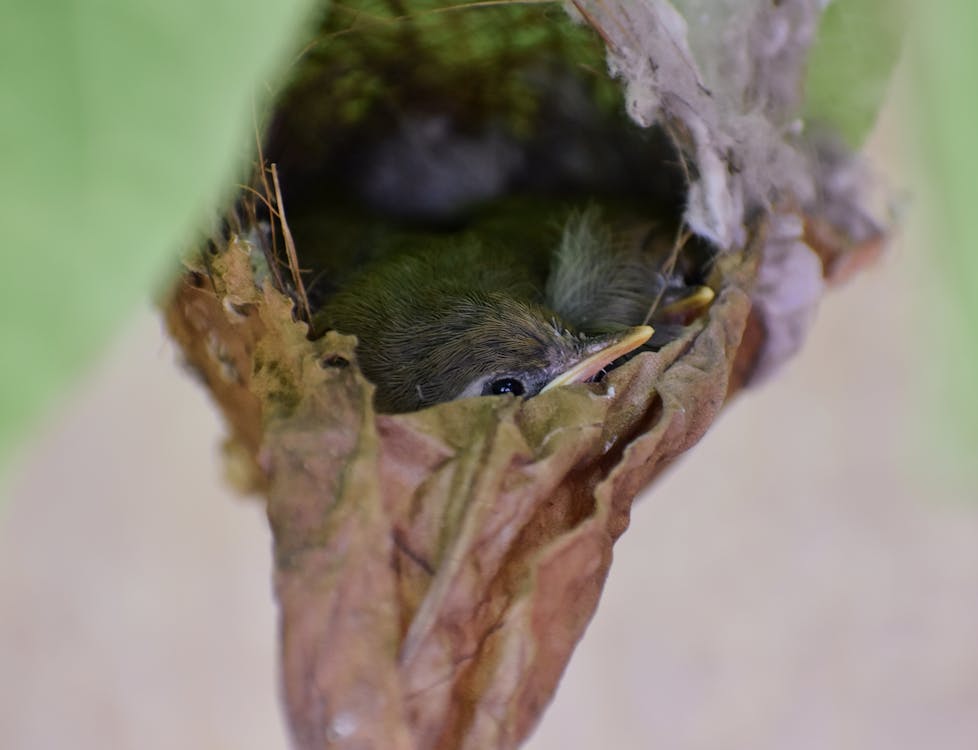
<point x="436" y="569"/>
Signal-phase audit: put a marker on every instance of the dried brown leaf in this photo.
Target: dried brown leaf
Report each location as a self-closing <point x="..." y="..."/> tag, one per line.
<point x="436" y="569"/>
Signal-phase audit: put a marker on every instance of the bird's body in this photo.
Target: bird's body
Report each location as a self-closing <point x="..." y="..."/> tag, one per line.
<point x="496" y="309"/>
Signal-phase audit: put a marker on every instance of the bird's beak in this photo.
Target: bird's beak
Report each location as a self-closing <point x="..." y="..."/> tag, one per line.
<point x="611" y="348"/>
<point x="688" y="307"/>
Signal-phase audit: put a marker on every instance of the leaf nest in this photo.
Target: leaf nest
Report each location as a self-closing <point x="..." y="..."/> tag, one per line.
<point x="435" y="569"/>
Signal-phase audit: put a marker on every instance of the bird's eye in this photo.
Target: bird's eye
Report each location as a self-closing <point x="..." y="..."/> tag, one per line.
<point x="507" y="385"/>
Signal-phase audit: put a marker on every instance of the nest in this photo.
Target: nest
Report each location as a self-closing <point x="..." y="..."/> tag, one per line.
<point x="435" y="569"/>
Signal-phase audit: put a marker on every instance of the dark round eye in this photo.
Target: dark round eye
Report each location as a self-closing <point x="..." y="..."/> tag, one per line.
<point x="507" y="385"/>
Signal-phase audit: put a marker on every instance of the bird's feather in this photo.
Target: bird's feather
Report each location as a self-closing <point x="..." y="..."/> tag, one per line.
<point x="601" y="280"/>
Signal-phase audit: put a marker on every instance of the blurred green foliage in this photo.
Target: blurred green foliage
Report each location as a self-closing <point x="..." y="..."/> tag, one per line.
<point x="944" y="117"/>
<point x="849" y="69"/>
<point x="121" y="124"/>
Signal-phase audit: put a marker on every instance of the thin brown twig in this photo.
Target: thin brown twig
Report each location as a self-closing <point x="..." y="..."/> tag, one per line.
<point x="593" y="23"/>
<point x="443" y="9"/>
<point x="618" y="14"/>
<point x="683" y="234"/>
<point x="249" y="189"/>
<point x="271" y="210"/>
<point x="626" y="25"/>
<point x="273" y="250"/>
<point x="273" y="260"/>
<point x="300" y="288"/>
<point x="370" y="18"/>
<point x="680" y="151"/>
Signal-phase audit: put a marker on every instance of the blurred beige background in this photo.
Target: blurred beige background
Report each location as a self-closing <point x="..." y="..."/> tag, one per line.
<point x="806" y="578"/>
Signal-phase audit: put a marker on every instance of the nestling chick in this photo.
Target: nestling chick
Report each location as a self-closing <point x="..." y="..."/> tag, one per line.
<point x="447" y="317"/>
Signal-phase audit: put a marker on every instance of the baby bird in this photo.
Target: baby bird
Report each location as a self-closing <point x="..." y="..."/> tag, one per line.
<point x="442" y="317"/>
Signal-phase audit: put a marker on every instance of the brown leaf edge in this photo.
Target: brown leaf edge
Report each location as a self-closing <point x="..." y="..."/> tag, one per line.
<point x="435" y="570"/>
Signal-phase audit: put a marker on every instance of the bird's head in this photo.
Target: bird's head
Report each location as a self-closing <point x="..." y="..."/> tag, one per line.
<point x="478" y="345"/>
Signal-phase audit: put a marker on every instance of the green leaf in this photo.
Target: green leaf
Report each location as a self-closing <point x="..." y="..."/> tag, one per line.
<point x="944" y="120"/>
<point x="121" y="125"/>
<point x="849" y="68"/>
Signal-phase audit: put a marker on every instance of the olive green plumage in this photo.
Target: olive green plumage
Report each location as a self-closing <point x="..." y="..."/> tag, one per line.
<point x="493" y="309"/>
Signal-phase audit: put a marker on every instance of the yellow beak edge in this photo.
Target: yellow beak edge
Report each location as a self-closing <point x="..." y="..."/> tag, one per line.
<point x="621" y="344"/>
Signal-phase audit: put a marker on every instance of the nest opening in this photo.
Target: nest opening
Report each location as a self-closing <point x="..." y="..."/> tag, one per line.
<point x="443" y="122"/>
